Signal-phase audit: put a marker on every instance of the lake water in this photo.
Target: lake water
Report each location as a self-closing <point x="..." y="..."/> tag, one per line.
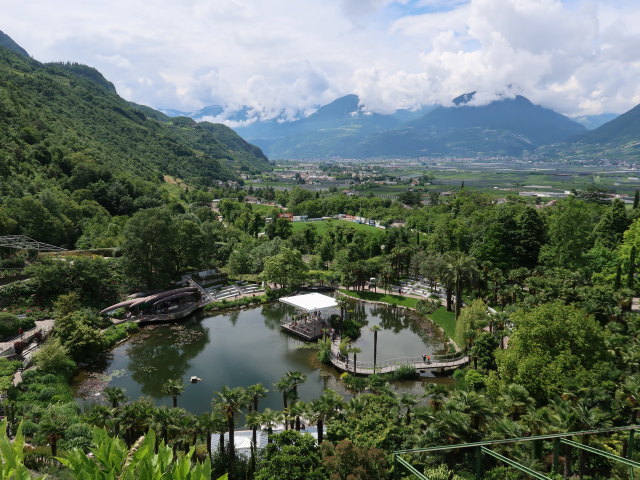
<point x="247" y="346"/>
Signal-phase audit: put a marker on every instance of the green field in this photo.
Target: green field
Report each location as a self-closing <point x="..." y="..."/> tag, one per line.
<point x="323" y="225"/>
<point x="383" y="297"/>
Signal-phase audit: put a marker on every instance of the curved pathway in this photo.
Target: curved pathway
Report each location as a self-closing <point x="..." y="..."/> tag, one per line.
<point x="442" y="362"/>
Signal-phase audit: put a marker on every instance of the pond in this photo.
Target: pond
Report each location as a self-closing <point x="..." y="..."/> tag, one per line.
<point x="247" y="346"/>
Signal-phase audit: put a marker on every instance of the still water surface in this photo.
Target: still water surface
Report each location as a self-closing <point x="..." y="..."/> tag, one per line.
<point x="244" y="347"/>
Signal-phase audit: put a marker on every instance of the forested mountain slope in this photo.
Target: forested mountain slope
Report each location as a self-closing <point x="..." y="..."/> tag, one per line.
<point x="619" y="138"/>
<point x="73" y="151"/>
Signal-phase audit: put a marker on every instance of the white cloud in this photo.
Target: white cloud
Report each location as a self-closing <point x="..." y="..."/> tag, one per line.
<point x="579" y="57"/>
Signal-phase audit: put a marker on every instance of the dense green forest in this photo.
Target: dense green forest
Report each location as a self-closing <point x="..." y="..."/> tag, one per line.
<point x="72" y="150"/>
<point x="561" y="277"/>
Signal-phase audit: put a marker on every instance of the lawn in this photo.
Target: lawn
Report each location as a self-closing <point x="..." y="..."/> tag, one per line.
<point x="441" y="317"/>
<point x="323" y="225"/>
<point x="383" y="297"/>
<point x="445" y="320"/>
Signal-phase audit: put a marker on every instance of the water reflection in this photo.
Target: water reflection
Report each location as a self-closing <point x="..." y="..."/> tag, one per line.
<point x="158" y="356"/>
<point x="244" y="347"/>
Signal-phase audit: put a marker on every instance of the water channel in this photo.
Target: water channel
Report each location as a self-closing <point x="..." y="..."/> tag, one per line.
<point x="243" y="347"/>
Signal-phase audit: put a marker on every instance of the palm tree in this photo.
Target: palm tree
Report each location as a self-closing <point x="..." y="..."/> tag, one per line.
<point x="254" y="421"/>
<point x="516" y="400"/>
<point x="270" y="419"/>
<point x="375" y="329"/>
<point x="218" y="424"/>
<point x="99" y="416"/>
<point x="163" y="421"/>
<point x="355" y="351"/>
<point x="295" y="378"/>
<point x="297" y="410"/>
<point x="256" y="392"/>
<point x="173" y="388"/>
<point x="460" y="272"/>
<point x="436" y="393"/>
<point x="284" y="385"/>
<point x="232" y="400"/>
<point x="208" y="424"/>
<point x="115" y="396"/>
<point x="54" y="425"/>
<point x="136" y="416"/>
<point x="408" y="400"/>
<point x="324" y="408"/>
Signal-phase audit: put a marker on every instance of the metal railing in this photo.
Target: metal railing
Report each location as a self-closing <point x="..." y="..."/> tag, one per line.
<point x="436" y="361"/>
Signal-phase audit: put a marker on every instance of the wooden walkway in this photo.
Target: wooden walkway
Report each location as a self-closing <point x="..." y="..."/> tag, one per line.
<point x="437" y="362"/>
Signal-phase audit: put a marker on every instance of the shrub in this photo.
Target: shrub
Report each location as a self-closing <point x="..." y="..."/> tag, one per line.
<point x="8" y="367"/>
<point x="404" y="372"/>
<point x="9" y="325"/>
<point x="53" y="357"/>
<point x="427" y="306"/>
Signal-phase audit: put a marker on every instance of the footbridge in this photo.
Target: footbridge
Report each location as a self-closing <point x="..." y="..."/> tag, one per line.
<point x="435" y="362"/>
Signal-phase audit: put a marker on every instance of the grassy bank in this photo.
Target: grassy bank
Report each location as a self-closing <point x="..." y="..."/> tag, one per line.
<point x="383" y="297"/>
<point x="447" y="321"/>
<point x="441" y="317"/>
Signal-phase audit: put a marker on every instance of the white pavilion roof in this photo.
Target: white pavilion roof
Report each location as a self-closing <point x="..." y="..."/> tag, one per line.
<point x="310" y="302"/>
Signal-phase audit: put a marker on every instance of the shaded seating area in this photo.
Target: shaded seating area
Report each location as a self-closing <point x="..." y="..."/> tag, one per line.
<point x="310" y="322"/>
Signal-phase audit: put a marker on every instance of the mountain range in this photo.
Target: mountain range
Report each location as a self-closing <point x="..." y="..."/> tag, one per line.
<point x="65" y="111"/>
<point x="509" y="126"/>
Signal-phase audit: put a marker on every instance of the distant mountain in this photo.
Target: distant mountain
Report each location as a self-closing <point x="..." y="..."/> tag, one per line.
<point x="616" y="139"/>
<point x="329" y="131"/>
<point x="7" y="42"/>
<point x="507" y="126"/>
<point x="591" y="122"/>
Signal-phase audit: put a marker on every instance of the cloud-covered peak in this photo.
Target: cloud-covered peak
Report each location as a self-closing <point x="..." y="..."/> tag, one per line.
<point x="281" y="58"/>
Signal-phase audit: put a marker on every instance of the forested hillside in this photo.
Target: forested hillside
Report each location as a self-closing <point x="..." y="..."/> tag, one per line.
<point x="71" y="149"/>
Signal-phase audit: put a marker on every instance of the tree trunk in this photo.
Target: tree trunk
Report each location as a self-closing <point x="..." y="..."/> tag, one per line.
<point x="458" y="300"/>
<point x="175" y="401"/>
<point x="449" y="304"/>
<point x="232" y="446"/>
<point x="221" y="443"/>
<point x="208" y="442"/>
<point x="375" y="349"/>
<point x="320" y="428"/>
<point x="286" y="410"/>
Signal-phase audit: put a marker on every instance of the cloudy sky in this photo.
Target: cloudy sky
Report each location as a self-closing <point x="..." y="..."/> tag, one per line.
<point x="575" y="56"/>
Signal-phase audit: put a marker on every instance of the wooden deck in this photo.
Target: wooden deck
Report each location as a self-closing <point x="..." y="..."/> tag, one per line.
<point x="309" y="331"/>
<point x="437" y="362"/>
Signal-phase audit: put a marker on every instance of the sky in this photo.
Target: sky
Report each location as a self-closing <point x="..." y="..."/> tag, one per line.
<point x="283" y="57"/>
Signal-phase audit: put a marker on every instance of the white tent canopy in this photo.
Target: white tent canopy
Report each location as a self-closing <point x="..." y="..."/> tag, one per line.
<point x="310" y="302"/>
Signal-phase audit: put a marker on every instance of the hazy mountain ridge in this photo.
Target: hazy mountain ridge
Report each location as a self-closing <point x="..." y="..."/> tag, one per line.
<point x="509" y="126"/>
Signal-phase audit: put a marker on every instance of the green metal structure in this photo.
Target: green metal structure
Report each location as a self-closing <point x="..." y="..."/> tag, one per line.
<point x="482" y="450"/>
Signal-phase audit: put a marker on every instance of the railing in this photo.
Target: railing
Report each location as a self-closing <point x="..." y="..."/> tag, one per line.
<point x="436" y="361"/>
<point x="25" y="337"/>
